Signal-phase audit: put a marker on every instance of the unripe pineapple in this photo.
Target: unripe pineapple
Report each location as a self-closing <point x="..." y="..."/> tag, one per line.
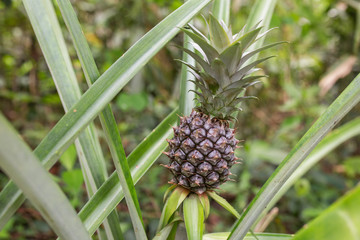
<point x="202" y="149"/>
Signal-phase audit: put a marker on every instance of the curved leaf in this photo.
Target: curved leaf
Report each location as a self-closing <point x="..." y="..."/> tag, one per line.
<point x="244" y="70"/>
<point x="334" y="113"/>
<point x="38" y="185"/>
<point x="102" y="92"/>
<point x="328" y="144"/>
<point x="249" y="236"/>
<point x="340" y="221"/>
<point x="171" y="205"/>
<point x="170" y="229"/>
<point x="52" y="43"/>
<point x="210" y="51"/>
<point x="164" y="233"/>
<point x="140" y="160"/>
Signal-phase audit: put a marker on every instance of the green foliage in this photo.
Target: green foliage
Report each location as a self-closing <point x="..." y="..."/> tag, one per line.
<point x="340" y="221"/>
<point x="73" y="180"/>
<point x="132" y="102"/>
<point x="249" y="236"/>
<point x="37" y="185"/>
<point x="171" y="205"/>
<point x="221" y="201"/>
<point x="68" y="158"/>
<point x="352" y="166"/>
<point x="289" y="103"/>
<point x="193" y="217"/>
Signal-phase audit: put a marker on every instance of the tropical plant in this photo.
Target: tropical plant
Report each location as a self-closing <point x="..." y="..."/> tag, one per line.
<point x="27" y="169"/>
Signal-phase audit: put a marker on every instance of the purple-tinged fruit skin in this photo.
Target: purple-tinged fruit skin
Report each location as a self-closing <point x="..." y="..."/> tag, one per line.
<point x="201" y="152"/>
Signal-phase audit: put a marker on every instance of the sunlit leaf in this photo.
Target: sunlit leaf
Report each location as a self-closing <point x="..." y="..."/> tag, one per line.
<point x="193" y="217"/>
<point x="334" y="113"/>
<point x="172" y="204"/>
<point x="249" y="236"/>
<point x="340" y="221"/>
<point x="100" y="94"/>
<point x="328" y="144"/>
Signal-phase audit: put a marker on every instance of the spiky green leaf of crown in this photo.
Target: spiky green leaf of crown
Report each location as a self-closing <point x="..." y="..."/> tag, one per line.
<point x="225" y="70"/>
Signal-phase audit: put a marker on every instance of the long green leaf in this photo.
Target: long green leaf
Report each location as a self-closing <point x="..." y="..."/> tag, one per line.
<point x="140" y="160"/>
<point x="187" y="87"/>
<point x="102" y="92"/>
<point x="340" y="221"/>
<point x="53" y="46"/>
<point x="10" y="200"/>
<point x="258" y="236"/>
<point x="82" y="48"/>
<point x="164" y="233"/>
<point x="193" y="217"/>
<point x="261" y="11"/>
<point x="334" y="113"/>
<point x="328" y="144"/>
<point x="107" y="119"/>
<point x="114" y="79"/>
<point x="22" y="166"/>
<point x="127" y="184"/>
<point x="52" y="43"/>
<point x="221" y="10"/>
<point x="168" y="191"/>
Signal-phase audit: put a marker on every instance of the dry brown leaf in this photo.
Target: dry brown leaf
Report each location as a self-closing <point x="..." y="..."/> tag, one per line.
<point x="340" y="71"/>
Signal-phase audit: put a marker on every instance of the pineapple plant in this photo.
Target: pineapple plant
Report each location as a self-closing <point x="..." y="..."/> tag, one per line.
<point x="202" y="150"/>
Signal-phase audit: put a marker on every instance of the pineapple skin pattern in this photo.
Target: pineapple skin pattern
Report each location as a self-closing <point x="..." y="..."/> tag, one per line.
<point x="202" y="150"/>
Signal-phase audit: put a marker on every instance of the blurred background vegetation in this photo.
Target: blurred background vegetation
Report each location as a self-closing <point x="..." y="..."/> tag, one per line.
<point x="305" y="77"/>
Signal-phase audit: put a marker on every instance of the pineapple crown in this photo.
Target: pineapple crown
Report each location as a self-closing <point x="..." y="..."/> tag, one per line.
<point x="224" y="75"/>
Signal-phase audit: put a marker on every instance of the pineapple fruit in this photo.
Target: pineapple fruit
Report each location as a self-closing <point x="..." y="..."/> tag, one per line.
<point x="202" y="149"/>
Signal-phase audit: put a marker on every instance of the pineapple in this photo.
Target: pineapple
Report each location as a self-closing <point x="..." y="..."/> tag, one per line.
<point x="202" y="149"/>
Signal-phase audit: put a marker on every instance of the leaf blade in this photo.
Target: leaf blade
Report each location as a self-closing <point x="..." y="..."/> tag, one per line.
<point x="225" y="204"/>
<point x="204" y="199"/>
<point x="328" y="144"/>
<point x="38" y="185"/>
<point x="53" y="47"/>
<point x="140" y="160"/>
<point x="334" y="113"/>
<point x="171" y="205"/>
<point x="186" y="85"/>
<point x="261" y="11"/>
<point x="106" y="87"/>
<point x="249" y="236"/>
<point x="193" y="217"/>
<point x="218" y="36"/>
<point x="340" y="221"/>
<point x="221" y="10"/>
